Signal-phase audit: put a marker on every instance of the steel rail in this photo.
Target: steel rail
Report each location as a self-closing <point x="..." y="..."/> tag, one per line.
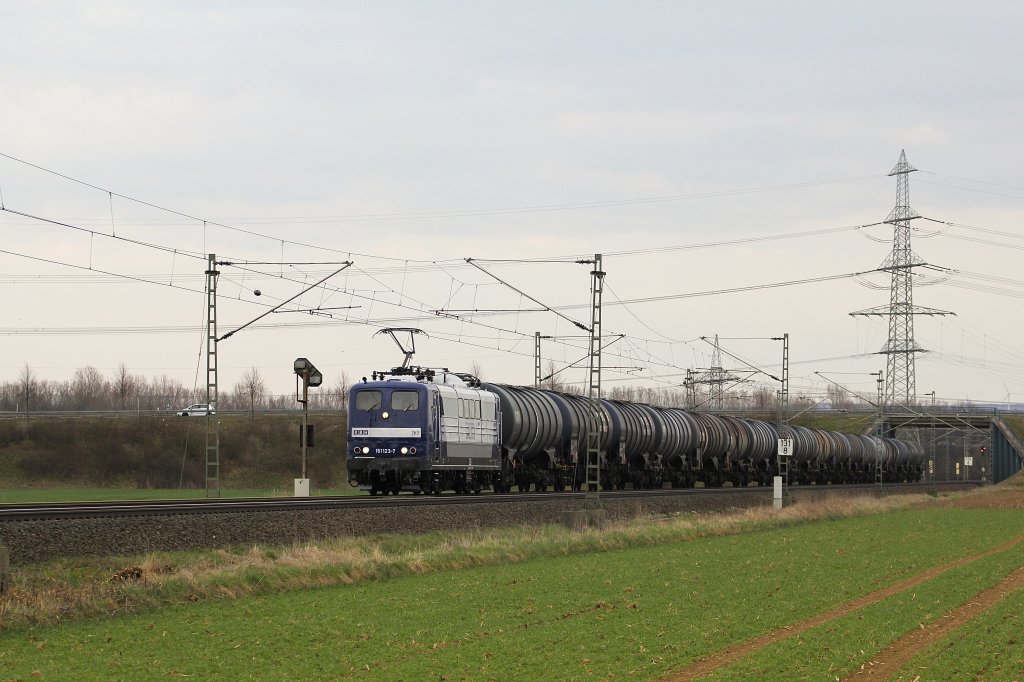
<point x="114" y="509"/>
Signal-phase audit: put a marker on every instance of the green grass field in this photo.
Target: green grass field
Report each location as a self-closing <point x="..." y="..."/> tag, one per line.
<point x="841" y="646"/>
<point x="988" y="650"/>
<point x="575" y="614"/>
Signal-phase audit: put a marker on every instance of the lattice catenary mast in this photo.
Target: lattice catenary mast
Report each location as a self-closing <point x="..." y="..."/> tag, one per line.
<point x="212" y="422"/>
<point x="592" y="495"/>
<point x="901" y="346"/>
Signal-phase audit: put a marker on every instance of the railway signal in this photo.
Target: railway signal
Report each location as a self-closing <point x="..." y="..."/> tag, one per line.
<point x="311" y="378"/>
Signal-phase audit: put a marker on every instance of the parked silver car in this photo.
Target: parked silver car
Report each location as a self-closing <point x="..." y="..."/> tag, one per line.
<point x="198" y="410"/>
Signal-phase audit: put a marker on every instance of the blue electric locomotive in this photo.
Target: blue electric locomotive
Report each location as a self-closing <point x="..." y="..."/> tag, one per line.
<point x="425" y="431"/>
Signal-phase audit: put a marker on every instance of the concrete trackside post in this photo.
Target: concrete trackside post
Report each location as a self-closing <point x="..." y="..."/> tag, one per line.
<point x="781" y="481"/>
<point x="5" y="567"/>
<point x="581" y="519"/>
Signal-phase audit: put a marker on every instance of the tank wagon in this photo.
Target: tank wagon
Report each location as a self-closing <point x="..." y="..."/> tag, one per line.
<point x="426" y="431"/>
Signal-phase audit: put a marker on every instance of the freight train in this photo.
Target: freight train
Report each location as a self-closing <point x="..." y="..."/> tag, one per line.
<point x="427" y="431"/>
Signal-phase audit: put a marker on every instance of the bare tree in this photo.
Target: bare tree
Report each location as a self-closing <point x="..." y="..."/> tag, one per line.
<point x="763" y="397"/>
<point x="477" y="370"/>
<point x="124" y="384"/>
<point x="334" y="397"/>
<point x="162" y="392"/>
<point x="252" y="387"/>
<point x="88" y="388"/>
<point x="28" y="385"/>
<point x="839" y="396"/>
<point x="551" y="382"/>
<point x="341" y="386"/>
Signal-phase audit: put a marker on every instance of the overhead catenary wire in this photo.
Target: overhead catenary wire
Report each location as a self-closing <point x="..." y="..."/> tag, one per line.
<point x="673" y="296"/>
<point x="260" y="317"/>
<point x="378" y="297"/>
<point x="104" y="272"/>
<point x="972" y="189"/>
<point x="474" y="212"/>
<point x="578" y="325"/>
<point x="136" y="242"/>
<point x="489" y="211"/>
<point x="980" y="182"/>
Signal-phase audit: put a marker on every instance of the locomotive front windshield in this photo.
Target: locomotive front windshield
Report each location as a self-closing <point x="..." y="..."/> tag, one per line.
<point x="405" y="401"/>
<point x="368" y="400"/>
<point x="401" y="401"/>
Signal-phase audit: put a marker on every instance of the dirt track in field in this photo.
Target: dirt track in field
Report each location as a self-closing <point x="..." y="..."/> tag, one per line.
<point x="899" y="652"/>
<point x="893" y="657"/>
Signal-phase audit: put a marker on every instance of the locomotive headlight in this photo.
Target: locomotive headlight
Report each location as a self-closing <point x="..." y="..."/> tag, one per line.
<point x="366" y="451"/>
<point x="356" y="450"/>
<point x="412" y="450"/>
<point x="405" y="451"/>
<point x="384" y="415"/>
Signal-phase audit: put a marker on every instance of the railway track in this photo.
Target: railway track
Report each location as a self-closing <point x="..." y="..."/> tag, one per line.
<point x="117" y="509"/>
<point x="41" y="532"/>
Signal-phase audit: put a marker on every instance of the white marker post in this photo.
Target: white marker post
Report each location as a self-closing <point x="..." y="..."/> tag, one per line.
<point x="785" y="451"/>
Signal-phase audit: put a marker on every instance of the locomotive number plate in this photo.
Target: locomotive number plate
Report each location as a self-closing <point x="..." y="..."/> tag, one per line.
<point x="386" y="432"/>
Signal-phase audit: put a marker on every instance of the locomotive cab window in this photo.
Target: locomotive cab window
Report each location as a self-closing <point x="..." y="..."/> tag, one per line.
<point x="405" y="401"/>
<point x="368" y="400"/>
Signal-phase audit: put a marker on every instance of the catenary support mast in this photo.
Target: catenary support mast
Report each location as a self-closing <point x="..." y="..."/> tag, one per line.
<point x="592" y="498"/>
<point x="212" y="423"/>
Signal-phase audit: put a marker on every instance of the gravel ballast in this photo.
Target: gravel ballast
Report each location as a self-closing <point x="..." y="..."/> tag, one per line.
<point x="41" y="540"/>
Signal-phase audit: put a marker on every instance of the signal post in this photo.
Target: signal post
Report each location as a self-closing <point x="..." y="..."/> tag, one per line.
<point x="311" y="377"/>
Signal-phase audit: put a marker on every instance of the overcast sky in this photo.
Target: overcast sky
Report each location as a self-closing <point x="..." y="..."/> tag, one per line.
<point x="407" y="137"/>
